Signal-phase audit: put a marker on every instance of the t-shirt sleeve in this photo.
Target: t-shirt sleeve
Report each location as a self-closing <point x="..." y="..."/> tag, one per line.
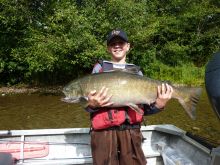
<point x="97" y="68"/>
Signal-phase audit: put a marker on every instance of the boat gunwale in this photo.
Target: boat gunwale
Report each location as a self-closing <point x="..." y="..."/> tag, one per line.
<point x="167" y="128"/>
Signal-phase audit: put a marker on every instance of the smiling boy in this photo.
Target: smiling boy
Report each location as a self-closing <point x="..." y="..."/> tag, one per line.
<point x="119" y="144"/>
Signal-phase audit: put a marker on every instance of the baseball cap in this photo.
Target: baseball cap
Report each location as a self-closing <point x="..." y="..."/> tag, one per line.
<point x="117" y="33"/>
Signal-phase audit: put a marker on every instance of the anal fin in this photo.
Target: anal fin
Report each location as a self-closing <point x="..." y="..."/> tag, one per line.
<point x="135" y="108"/>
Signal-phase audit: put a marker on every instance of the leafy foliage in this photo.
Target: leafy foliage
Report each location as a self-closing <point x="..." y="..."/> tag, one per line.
<point x="50" y="41"/>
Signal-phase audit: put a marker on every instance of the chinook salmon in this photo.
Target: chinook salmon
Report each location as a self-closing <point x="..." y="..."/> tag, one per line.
<point x="128" y="89"/>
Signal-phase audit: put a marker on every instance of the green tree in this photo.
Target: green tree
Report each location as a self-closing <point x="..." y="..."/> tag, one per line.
<point x="55" y="41"/>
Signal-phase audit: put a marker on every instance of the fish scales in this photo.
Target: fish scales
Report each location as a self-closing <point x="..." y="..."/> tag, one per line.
<point x="123" y="87"/>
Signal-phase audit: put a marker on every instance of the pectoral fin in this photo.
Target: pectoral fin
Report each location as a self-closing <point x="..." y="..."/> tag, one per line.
<point x="135" y="108"/>
<point x="70" y="100"/>
<point x="83" y="101"/>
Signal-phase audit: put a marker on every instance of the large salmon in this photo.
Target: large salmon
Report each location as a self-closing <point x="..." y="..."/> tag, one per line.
<point x="128" y="89"/>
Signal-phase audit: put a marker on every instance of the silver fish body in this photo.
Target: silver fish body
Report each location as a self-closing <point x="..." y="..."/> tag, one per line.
<point x="128" y="89"/>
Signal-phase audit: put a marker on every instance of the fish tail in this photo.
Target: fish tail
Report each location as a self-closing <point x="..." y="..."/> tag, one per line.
<point x="190" y="100"/>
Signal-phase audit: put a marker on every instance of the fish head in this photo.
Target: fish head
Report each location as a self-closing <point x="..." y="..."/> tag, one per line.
<point x="73" y="92"/>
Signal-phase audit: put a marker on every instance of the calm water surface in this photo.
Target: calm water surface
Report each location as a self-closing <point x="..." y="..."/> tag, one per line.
<point x="36" y="111"/>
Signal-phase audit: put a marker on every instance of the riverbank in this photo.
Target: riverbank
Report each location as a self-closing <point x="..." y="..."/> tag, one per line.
<point x="30" y="89"/>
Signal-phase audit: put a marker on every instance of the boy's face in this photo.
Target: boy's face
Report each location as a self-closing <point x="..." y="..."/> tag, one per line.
<point x="118" y="49"/>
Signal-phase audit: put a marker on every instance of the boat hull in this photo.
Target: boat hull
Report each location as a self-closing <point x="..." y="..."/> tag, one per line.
<point x="72" y="146"/>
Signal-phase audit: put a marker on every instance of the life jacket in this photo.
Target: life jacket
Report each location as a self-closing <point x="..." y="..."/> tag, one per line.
<point x="109" y="117"/>
<point x="107" y="66"/>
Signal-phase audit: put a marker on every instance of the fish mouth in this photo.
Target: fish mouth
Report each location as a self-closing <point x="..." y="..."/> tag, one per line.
<point x="70" y="100"/>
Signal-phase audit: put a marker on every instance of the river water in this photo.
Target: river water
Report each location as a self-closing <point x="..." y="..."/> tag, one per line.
<point x="36" y="111"/>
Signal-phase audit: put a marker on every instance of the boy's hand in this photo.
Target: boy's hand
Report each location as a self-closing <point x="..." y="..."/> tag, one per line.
<point x="99" y="99"/>
<point x="164" y="94"/>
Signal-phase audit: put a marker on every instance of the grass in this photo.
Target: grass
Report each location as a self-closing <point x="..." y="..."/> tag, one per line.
<point x="187" y="74"/>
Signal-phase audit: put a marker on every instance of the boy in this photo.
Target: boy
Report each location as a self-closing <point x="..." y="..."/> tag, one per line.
<point x="120" y="144"/>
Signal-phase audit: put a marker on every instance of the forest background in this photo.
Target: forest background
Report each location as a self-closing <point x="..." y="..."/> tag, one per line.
<point x="51" y="42"/>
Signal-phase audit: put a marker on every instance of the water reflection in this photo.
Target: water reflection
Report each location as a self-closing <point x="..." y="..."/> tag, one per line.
<point x="34" y="111"/>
